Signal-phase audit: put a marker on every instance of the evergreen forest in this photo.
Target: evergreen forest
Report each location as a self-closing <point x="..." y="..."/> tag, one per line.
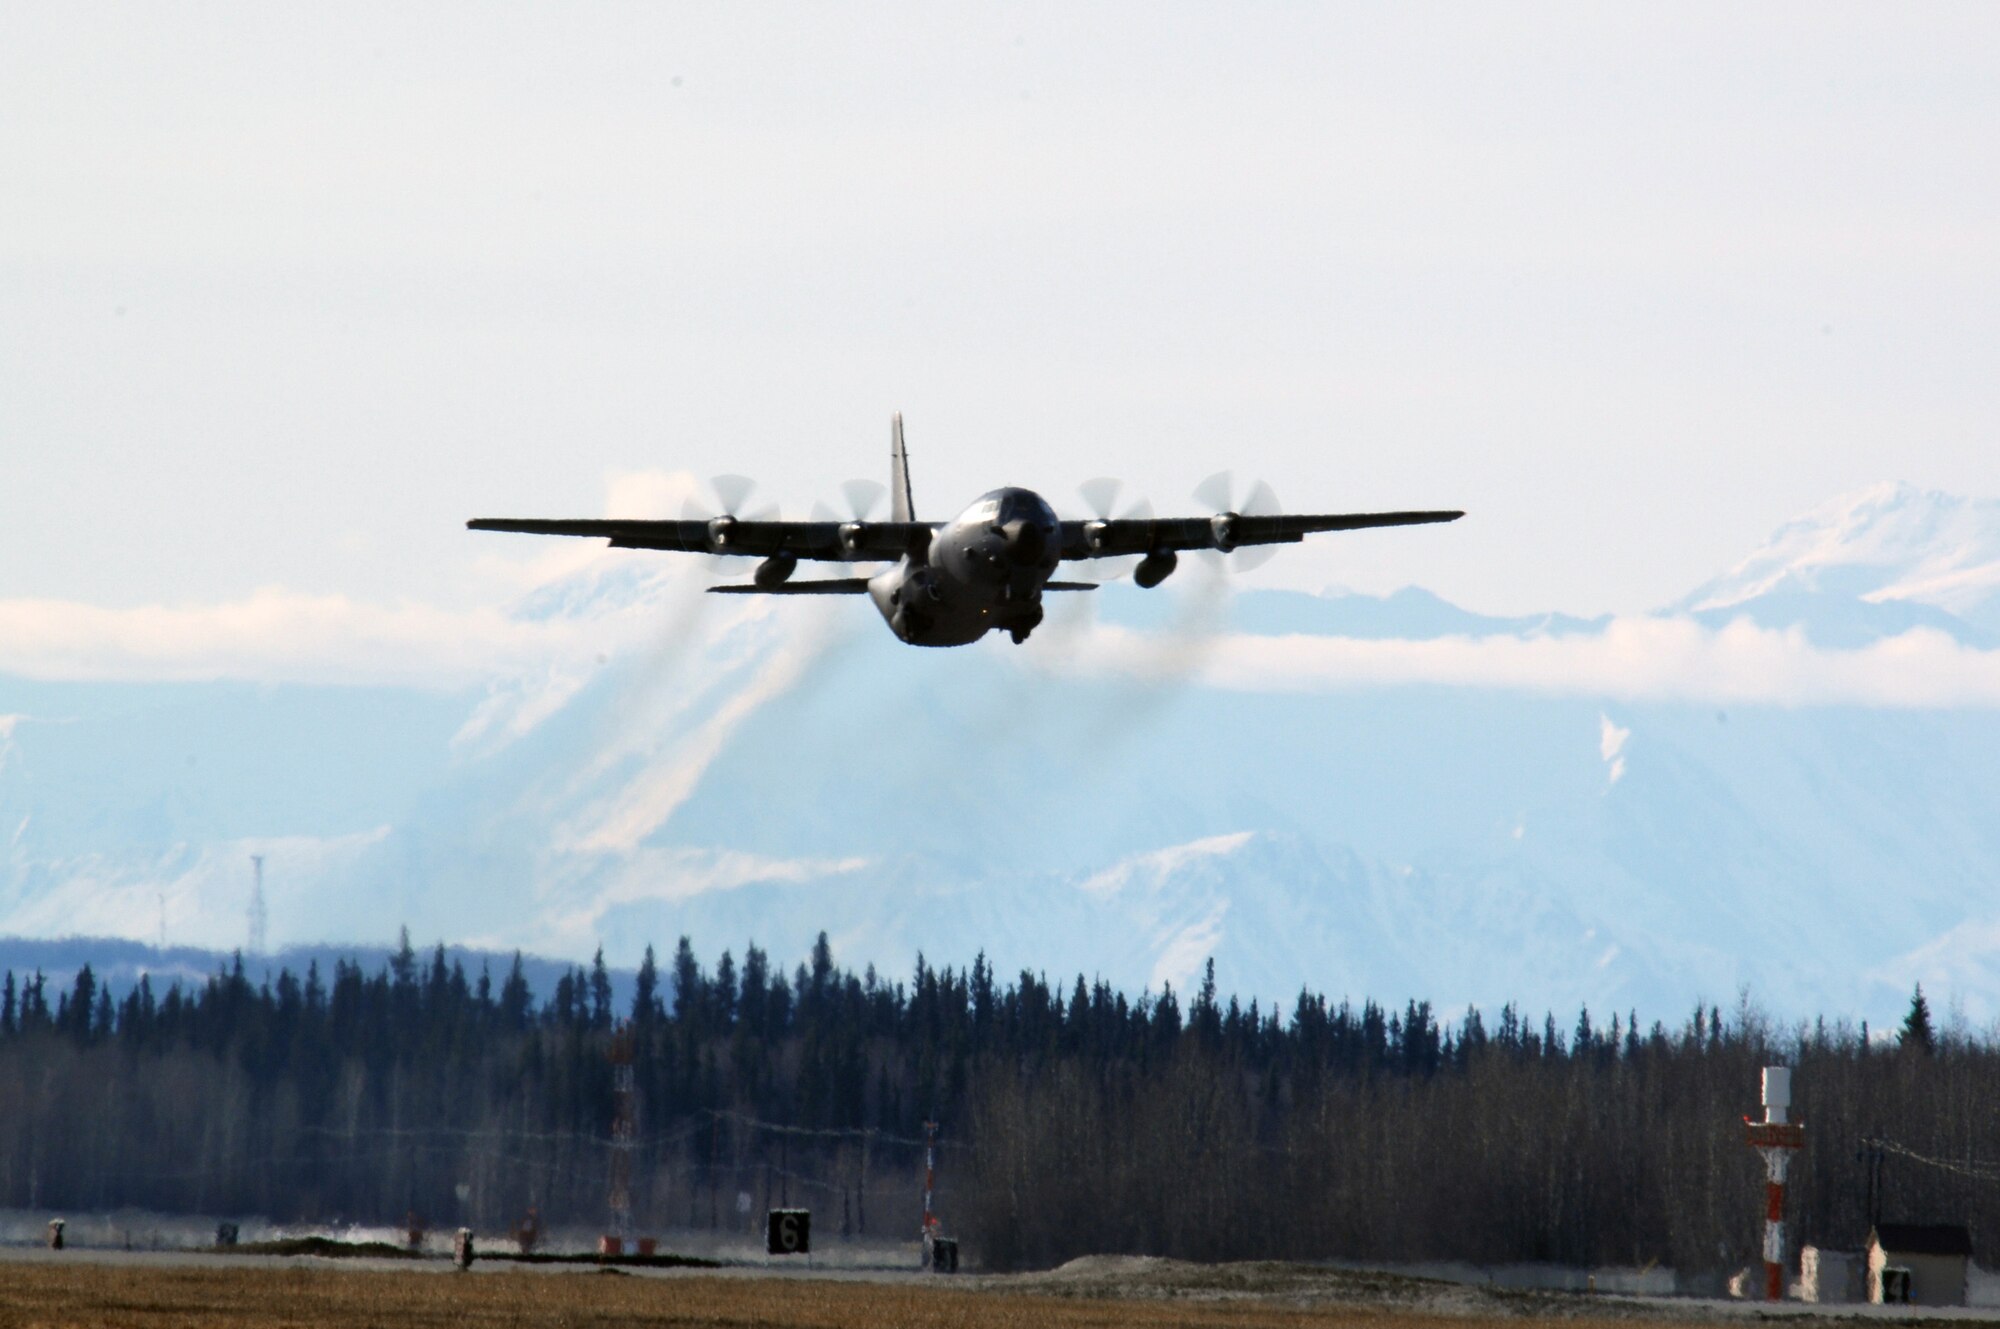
<point x="1070" y="1118"/>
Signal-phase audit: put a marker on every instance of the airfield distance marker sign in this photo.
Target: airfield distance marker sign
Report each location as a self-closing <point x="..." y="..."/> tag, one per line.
<point x="788" y="1232"/>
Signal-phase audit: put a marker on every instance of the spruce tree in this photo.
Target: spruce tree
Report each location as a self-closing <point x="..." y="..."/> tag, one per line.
<point x="516" y="1002"/>
<point x="1916" y="1035"/>
<point x="600" y="992"/>
<point x="646" y="991"/>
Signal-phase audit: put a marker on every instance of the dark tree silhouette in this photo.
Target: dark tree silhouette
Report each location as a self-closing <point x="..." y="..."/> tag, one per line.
<point x="1076" y="1118"/>
<point x="1917" y="1035"/>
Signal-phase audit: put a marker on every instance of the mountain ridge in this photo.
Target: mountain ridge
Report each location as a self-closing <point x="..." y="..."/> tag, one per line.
<point x="1914" y="557"/>
<point x="764" y="772"/>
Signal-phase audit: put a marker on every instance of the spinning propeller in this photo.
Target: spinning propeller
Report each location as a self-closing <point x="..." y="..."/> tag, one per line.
<point x="1219" y="495"/>
<point x="863" y="497"/>
<point x="1100" y="496"/>
<point x="731" y="495"/>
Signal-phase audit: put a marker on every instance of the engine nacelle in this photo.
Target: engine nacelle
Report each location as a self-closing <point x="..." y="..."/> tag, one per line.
<point x="1155" y="568"/>
<point x="775" y="570"/>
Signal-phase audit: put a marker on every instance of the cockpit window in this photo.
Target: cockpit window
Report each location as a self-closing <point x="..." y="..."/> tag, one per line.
<point x="1004" y="507"/>
<point x="1020" y="505"/>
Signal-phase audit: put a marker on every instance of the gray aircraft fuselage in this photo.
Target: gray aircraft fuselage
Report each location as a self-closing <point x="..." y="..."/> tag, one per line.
<point x="985" y="569"/>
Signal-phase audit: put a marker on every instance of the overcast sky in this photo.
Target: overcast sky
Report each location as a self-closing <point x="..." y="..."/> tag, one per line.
<point x="287" y="293"/>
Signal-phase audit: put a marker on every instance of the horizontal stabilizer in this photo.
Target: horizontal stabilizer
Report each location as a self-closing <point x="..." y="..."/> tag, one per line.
<point x="837" y="586"/>
<point x="1069" y="586"/>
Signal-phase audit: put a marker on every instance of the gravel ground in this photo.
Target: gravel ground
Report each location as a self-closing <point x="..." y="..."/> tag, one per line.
<point x="1262" y="1286"/>
<point x="1312" y="1287"/>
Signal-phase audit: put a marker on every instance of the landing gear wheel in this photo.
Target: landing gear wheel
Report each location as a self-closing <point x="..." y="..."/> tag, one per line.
<point x="1020" y="632"/>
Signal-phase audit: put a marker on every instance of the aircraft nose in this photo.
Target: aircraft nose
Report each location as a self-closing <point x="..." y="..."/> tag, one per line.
<point x="1027" y="541"/>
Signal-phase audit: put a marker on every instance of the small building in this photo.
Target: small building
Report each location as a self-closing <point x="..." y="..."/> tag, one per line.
<point x="1832" y="1276"/>
<point x="1919" y="1264"/>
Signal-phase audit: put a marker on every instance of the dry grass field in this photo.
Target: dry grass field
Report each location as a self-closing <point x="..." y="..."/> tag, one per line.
<point x="112" y="1297"/>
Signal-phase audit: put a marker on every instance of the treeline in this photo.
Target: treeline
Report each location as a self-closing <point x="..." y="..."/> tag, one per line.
<point x="1074" y="1118"/>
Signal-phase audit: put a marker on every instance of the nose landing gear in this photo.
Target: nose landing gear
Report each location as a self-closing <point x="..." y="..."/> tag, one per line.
<point x="1025" y="623"/>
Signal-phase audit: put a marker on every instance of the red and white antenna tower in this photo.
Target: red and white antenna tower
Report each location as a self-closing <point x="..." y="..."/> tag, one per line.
<point x="930" y="1231"/>
<point x="1777" y="1139"/>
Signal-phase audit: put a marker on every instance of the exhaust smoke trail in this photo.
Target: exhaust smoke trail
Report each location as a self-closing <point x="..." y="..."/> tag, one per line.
<point x="1165" y="660"/>
<point x="675" y="761"/>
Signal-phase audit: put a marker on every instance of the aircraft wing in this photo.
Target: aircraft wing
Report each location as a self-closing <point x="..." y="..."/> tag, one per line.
<point x="1116" y="536"/>
<point x="832" y="541"/>
<point x="855" y="586"/>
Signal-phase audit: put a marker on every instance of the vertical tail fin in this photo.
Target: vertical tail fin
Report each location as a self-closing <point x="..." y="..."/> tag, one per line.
<point x="901" y="508"/>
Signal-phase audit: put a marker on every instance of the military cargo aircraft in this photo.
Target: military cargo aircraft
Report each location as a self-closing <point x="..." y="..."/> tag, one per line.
<point x="950" y="583"/>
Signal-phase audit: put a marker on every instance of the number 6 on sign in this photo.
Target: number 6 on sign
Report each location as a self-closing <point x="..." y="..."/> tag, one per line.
<point x="788" y="1232"/>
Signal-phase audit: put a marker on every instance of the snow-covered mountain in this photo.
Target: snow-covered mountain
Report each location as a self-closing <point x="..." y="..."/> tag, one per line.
<point x="1786" y="781"/>
<point x="1869" y="564"/>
